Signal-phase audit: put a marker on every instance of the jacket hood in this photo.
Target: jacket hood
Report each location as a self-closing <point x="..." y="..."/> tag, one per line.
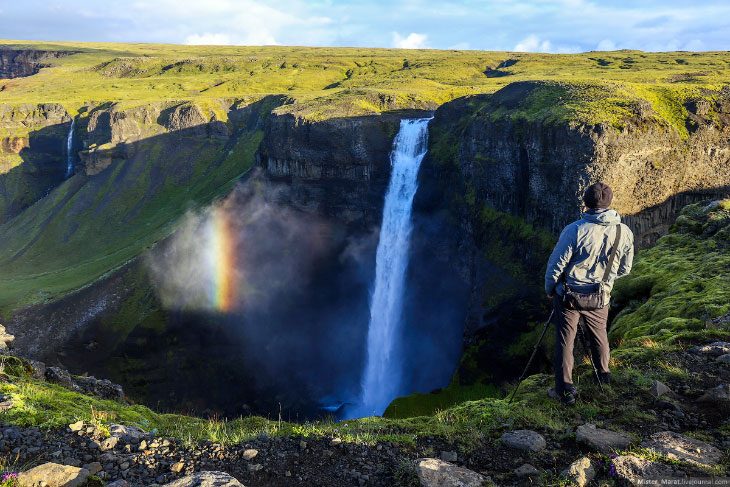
<point x="602" y="217"/>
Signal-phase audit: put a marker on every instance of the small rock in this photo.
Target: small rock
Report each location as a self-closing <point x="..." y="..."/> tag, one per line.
<point x="77" y="426"/>
<point x="634" y="469"/>
<point x="433" y="472"/>
<point x="93" y="468"/>
<point x="449" y="456"/>
<point x="38" y="369"/>
<point x="250" y="454"/>
<point x="724" y="359"/>
<point x="6" y="339"/>
<point x="658" y="389"/>
<point x="177" y="467"/>
<point x="206" y="479"/>
<point x="527" y="440"/>
<point x="255" y="467"/>
<point x="5" y="403"/>
<point x="109" y="443"/>
<point x="118" y="483"/>
<point x="336" y="441"/>
<point x="53" y="475"/>
<point x="580" y="472"/>
<point x="126" y="433"/>
<point x="678" y="447"/>
<point x="526" y="470"/>
<point x="302" y="445"/>
<point x="605" y="441"/>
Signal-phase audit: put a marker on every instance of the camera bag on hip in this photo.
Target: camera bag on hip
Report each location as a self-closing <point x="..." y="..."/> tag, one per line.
<point x="596" y="300"/>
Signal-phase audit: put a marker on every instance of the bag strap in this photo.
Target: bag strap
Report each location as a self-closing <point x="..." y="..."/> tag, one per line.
<point x="612" y="257"/>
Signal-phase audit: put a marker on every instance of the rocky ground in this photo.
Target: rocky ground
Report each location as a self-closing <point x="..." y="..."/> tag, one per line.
<point x="687" y="439"/>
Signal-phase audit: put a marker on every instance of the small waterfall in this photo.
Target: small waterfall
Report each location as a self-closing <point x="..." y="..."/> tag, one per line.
<point x="381" y="381"/>
<point x="70" y="150"/>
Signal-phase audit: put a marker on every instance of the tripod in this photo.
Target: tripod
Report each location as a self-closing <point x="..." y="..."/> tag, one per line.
<point x="584" y="342"/>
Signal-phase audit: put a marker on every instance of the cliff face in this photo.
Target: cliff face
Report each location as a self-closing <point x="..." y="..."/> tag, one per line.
<point x="338" y="167"/>
<point x="538" y="170"/>
<point x="17" y="63"/>
<point x="32" y="154"/>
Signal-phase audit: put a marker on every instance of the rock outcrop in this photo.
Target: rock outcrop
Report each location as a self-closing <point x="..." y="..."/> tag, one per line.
<point x="17" y="63"/>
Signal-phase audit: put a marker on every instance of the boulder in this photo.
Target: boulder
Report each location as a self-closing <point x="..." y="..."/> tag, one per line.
<point x="719" y="395"/>
<point x="633" y="469"/>
<point x="103" y="388"/>
<point x="206" y="479"/>
<point x="678" y="447"/>
<point x="526" y="440"/>
<point x="714" y="349"/>
<point x="53" y="475"/>
<point x="433" y="472"/>
<point x="724" y="359"/>
<point x="605" y="441"/>
<point x="580" y="472"/>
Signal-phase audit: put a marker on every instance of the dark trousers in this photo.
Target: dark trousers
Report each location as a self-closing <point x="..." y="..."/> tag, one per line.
<point x="566" y="328"/>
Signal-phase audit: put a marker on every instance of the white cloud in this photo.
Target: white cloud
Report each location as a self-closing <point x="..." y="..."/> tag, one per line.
<point x="532" y="43"/>
<point x="208" y="39"/>
<point x="413" y="40"/>
<point x="606" y="45"/>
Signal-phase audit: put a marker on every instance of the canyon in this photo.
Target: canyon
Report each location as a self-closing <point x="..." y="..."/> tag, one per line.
<point x="497" y="184"/>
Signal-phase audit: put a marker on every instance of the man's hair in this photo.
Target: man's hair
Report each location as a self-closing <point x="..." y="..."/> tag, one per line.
<point x="598" y="196"/>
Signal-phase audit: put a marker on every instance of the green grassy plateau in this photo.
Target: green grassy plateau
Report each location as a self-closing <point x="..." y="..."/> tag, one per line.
<point x="330" y="82"/>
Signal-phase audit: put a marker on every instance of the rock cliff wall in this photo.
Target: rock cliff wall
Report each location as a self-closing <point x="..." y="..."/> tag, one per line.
<point x="337" y="167"/>
<point x="17" y="63"/>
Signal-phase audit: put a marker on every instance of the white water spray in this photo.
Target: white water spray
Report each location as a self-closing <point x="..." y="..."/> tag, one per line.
<point x="70" y="150"/>
<point x="381" y="381"/>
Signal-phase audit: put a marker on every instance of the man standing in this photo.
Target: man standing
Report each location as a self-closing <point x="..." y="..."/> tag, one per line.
<point x="589" y="256"/>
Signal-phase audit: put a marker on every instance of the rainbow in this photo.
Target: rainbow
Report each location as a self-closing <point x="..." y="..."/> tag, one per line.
<point x="222" y="261"/>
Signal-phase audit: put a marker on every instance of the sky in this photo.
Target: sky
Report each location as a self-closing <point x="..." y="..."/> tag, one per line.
<point x="556" y="26"/>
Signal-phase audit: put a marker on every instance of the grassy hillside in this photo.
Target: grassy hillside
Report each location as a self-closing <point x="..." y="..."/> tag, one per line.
<point x="328" y="82"/>
<point x="105" y="220"/>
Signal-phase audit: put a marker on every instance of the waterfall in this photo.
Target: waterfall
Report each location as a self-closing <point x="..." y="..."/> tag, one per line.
<point x="70" y="150"/>
<point x="381" y="382"/>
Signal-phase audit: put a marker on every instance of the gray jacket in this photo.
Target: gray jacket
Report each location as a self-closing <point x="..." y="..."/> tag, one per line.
<point x="582" y="252"/>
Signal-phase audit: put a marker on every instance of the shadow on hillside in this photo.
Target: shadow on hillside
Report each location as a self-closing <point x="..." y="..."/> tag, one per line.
<point x="655" y="221"/>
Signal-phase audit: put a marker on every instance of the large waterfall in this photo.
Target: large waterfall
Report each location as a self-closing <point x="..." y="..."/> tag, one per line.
<point x="381" y="382"/>
<point x="70" y="150"/>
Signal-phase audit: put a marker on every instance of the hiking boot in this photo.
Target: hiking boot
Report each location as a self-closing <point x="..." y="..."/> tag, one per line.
<point x="567" y="397"/>
<point x="605" y="378"/>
